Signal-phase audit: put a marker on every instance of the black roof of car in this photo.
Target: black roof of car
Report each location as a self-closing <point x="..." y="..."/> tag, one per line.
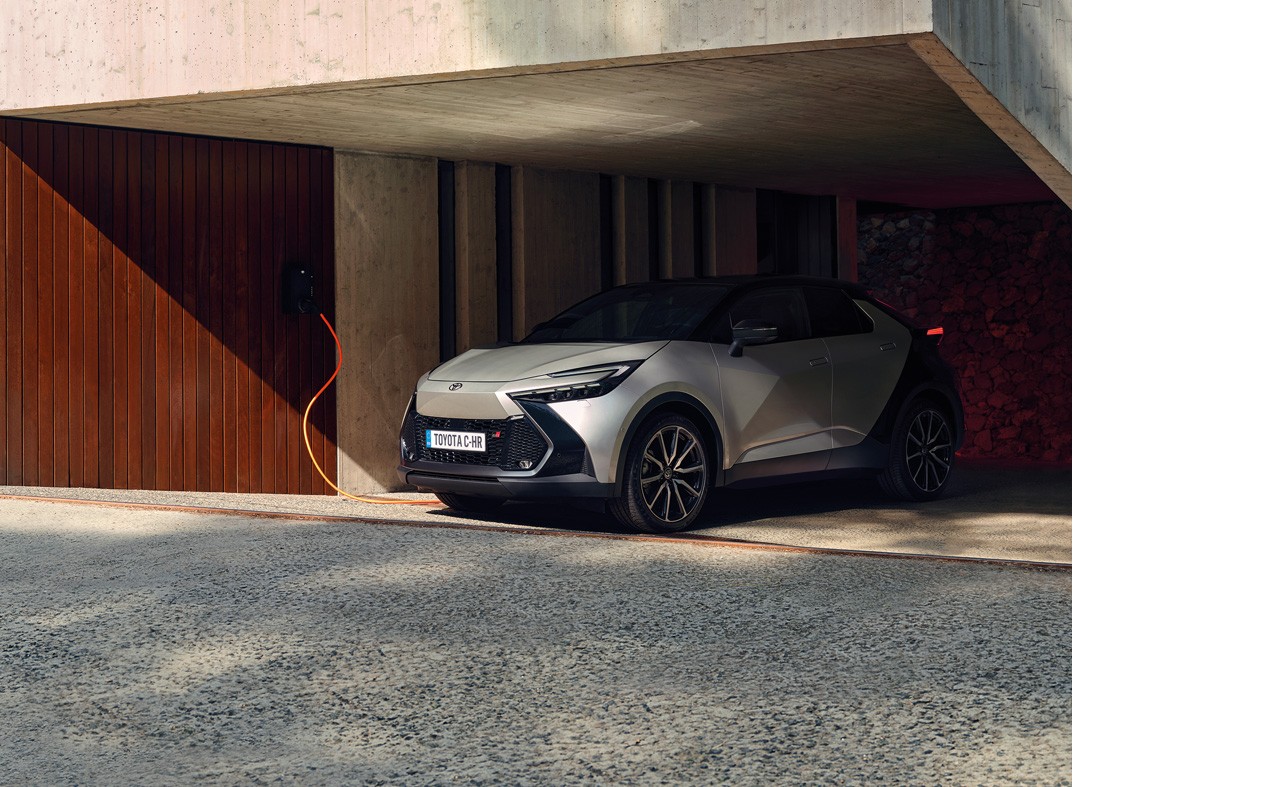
<point x="745" y="281"/>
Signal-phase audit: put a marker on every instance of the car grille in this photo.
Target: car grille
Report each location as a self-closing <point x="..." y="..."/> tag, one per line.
<point x="519" y="440"/>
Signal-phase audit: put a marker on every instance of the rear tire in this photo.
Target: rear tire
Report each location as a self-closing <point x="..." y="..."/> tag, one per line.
<point x="921" y="453"/>
<point x="666" y="476"/>
<point x="470" y="504"/>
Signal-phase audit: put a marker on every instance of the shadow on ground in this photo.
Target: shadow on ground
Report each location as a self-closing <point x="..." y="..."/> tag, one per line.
<point x="994" y="511"/>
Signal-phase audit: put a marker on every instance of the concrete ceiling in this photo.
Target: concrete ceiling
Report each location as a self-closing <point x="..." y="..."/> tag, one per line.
<point x="873" y="123"/>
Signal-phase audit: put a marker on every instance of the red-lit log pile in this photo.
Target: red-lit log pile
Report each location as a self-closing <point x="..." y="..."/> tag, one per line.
<point x="999" y="280"/>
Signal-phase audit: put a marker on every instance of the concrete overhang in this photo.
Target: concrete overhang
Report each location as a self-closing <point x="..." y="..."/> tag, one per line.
<point x="893" y="118"/>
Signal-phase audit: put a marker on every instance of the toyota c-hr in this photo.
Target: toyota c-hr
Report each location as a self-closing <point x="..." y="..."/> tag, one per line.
<point x="647" y="397"/>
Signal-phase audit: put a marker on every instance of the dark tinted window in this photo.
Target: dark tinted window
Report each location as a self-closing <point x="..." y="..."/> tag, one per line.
<point x="780" y="306"/>
<point x="833" y="313"/>
<point x="633" y="314"/>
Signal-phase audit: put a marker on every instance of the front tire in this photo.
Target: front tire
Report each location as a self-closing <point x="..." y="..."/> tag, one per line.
<point x="470" y="504"/>
<point x="666" y="476"/>
<point x="921" y="454"/>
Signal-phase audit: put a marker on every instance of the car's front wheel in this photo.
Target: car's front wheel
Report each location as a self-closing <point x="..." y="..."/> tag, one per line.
<point x="921" y="453"/>
<point x="666" y="476"/>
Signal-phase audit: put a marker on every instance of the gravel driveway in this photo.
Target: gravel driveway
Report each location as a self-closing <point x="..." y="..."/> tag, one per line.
<point x="158" y="647"/>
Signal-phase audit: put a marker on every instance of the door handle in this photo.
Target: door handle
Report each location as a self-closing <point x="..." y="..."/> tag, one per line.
<point x="817" y="361"/>
<point x="889" y="346"/>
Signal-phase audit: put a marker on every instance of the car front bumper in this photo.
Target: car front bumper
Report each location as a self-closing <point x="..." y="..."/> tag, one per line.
<point x="528" y="455"/>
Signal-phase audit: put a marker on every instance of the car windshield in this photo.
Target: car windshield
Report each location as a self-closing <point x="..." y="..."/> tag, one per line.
<point x="637" y="313"/>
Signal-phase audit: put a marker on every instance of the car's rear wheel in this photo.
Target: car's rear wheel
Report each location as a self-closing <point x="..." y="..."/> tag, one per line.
<point x="921" y="453"/>
<point x="470" y="504"/>
<point x="666" y="476"/>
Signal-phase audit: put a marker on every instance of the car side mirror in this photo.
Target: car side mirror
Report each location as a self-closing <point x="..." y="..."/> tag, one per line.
<point x="748" y="333"/>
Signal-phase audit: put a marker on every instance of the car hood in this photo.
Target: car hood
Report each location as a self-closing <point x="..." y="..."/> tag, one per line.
<point x="520" y="361"/>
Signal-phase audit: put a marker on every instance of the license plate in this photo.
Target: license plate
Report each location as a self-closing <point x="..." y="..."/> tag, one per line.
<point x="442" y="440"/>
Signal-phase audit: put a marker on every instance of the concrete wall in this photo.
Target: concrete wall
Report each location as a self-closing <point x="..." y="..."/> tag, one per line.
<point x="65" y="52"/>
<point x="1021" y="53"/>
<point x="386" y="267"/>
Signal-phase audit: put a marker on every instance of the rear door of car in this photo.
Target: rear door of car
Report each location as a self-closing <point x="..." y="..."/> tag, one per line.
<point x="867" y="357"/>
<point x="776" y="397"/>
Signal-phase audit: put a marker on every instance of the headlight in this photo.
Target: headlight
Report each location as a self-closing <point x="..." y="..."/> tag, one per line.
<point x="600" y="381"/>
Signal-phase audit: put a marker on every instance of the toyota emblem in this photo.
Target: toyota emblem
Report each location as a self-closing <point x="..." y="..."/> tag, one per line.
<point x="455" y="386"/>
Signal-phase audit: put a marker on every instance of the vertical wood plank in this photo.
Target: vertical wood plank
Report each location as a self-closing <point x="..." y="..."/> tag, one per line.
<point x="59" y="349"/>
<point x="200" y="277"/>
<point x="163" y="297"/>
<point x="177" y="312"/>
<point x="45" y="437"/>
<point x="30" y="306"/>
<point x="234" y="379"/>
<point x="212" y="278"/>
<point x="133" y="295"/>
<point x="74" y="412"/>
<point x="189" y="307"/>
<point x="92" y="330"/>
<point x="106" y="311"/>
<point x="253" y="300"/>
<point x="301" y="367"/>
<point x="11" y="341"/>
<point x="121" y="317"/>
<point x="278" y="356"/>
<point x="241" y="373"/>
<point x="146" y="263"/>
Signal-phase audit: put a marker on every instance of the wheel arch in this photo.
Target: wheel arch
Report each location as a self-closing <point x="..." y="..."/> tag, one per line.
<point x="931" y="392"/>
<point x="681" y="404"/>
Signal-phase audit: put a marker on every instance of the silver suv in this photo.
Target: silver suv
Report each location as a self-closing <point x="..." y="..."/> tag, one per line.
<point x="647" y="396"/>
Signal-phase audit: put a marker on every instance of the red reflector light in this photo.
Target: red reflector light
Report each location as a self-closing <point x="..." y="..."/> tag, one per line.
<point x="934" y="332"/>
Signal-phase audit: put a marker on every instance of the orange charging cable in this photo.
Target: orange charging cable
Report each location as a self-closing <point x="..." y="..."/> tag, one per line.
<point x="307" y="414"/>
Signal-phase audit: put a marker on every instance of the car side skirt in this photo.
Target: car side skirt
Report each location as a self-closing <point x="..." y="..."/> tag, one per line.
<point x="867" y="458"/>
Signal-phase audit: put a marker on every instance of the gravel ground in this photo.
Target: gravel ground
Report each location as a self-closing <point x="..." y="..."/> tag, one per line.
<point x="152" y="647"/>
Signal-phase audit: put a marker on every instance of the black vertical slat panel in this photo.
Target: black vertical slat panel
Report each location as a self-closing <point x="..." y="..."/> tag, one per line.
<point x="655" y="229"/>
<point x="502" y="225"/>
<point x="606" y="232"/>
<point x="699" y="232"/>
<point x="448" y="261"/>
<point x="832" y="238"/>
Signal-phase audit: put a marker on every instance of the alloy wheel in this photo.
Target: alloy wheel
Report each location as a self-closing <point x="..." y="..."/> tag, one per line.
<point x="673" y="473"/>
<point x="929" y="450"/>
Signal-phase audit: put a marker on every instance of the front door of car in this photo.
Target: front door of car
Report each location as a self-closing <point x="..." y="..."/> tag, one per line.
<point x="775" y="397"/>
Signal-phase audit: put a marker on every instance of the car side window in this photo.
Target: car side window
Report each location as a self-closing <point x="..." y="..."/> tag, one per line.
<point x="833" y="313"/>
<point x="780" y="306"/>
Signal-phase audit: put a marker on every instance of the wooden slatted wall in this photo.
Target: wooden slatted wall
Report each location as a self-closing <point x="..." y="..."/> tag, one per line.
<point x="144" y="345"/>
